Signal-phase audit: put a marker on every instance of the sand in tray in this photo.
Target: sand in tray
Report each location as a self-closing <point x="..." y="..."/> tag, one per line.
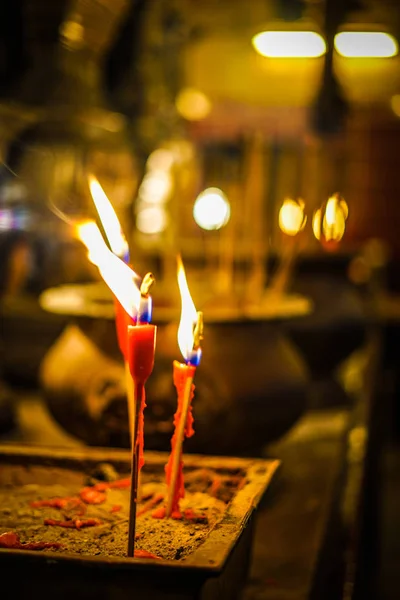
<point x="167" y="538"/>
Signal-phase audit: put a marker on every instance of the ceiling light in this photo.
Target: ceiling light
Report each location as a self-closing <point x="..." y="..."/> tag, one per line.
<point x="365" y="44"/>
<point x="289" y="44"/>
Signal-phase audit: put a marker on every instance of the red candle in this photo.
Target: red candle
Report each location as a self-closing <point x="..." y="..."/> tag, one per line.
<point x="189" y="337"/>
<point x="182" y="373"/>
<point x="141" y="348"/>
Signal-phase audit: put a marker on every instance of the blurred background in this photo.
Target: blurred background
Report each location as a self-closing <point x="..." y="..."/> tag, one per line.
<point x="258" y="138"/>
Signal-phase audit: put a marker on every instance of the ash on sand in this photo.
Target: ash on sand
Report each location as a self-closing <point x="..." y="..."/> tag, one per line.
<point x="169" y="539"/>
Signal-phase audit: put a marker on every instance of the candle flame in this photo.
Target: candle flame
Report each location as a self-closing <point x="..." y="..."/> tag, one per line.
<point x="331" y="222"/>
<point x="292" y="219"/>
<point x="108" y="218"/>
<point x="189" y="335"/>
<point x="122" y="281"/>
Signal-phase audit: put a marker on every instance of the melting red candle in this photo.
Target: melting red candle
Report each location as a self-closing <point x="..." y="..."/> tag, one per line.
<point x="189" y="336"/>
<point x="181" y="374"/>
<point x="141" y="348"/>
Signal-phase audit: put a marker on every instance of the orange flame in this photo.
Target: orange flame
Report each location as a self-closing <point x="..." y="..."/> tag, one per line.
<point x="292" y="219"/>
<point x="189" y="318"/>
<point x="120" y="278"/>
<point x="108" y="218"/>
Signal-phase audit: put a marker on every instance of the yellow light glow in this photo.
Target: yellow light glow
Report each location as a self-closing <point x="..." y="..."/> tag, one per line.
<point x="192" y="104"/>
<point x="211" y="209"/>
<point x="291" y="216"/>
<point x="120" y="278"/>
<point x="188" y="314"/>
<point x="395" y="104"/>
<point x="155" y="187"/>
<point x="108" y="218"/>
<point x="331" y="222"/>
<point x="365" y="44"/>
<point x="316" y="224"/>
<point x="289" y="44"/>
<point x="152" y="220"/>
<point x="160" y="160"/>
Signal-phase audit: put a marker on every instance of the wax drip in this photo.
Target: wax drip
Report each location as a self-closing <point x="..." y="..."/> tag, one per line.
<point x="11" y="540"/>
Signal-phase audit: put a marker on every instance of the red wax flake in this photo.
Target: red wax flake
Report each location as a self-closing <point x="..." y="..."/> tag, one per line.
<point x="176" y="514"/>
<point x="11" y="541"/>
<point x="57" y="502"/>
<point x="116" y="508"/>
<point x="101" y="487"/>
<point x="216" y="484"/>
<point x="190" y="515"/>
<point x="181" y="373"/>
<point x="148" y="505"/>
<point x="145" y="554"/>
<point x="159" y="513"/>
<point x="74" y="523"/>
<point x="120" y="484"/>
<point x="92" y="496"/>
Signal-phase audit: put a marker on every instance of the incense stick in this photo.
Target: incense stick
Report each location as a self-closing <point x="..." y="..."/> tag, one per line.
<point x="138" y="391"/>
<point x="178" y="444"/>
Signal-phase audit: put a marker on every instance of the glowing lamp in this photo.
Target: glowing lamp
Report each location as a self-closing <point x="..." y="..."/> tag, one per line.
<point x="329" y="221"/>
<point x="211" y="209"/>
<point x="151" y="219"/>
<point x="365" y="44"/>
<point x="155" y="187"/>
<point x="289" y="44"/>
<point x="292" y="218"/>
<point x="192" y="104"/>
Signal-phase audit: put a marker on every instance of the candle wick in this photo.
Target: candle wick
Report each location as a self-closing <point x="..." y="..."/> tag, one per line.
<point x="147" y="282"/>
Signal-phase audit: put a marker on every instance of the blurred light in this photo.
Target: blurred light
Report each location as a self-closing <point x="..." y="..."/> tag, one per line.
<point x="151" y="220"/>
<point x="330" y="221"/>
<point x="6" y="219"/>
<point x="192" y="104"/>
<point x="291" y="216"/>
<point x="365" y="44"/>
<point x="316" y="224"/>
<point x="395" y="104"/>
<point x="289" y="44"/>
<point x="155" y="187"/>
<point x="160" y="160"/>
<point x="211" y="209"/>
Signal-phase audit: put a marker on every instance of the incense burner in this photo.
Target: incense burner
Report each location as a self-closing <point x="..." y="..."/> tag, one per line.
<point x="215" y="568"/>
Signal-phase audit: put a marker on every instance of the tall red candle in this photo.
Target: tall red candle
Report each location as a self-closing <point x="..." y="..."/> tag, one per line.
<point x="141" y="348"/>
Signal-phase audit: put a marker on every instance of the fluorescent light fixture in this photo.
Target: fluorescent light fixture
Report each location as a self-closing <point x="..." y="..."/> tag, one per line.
<point x="289" y="44"/>
<point x="365" y="44"/>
